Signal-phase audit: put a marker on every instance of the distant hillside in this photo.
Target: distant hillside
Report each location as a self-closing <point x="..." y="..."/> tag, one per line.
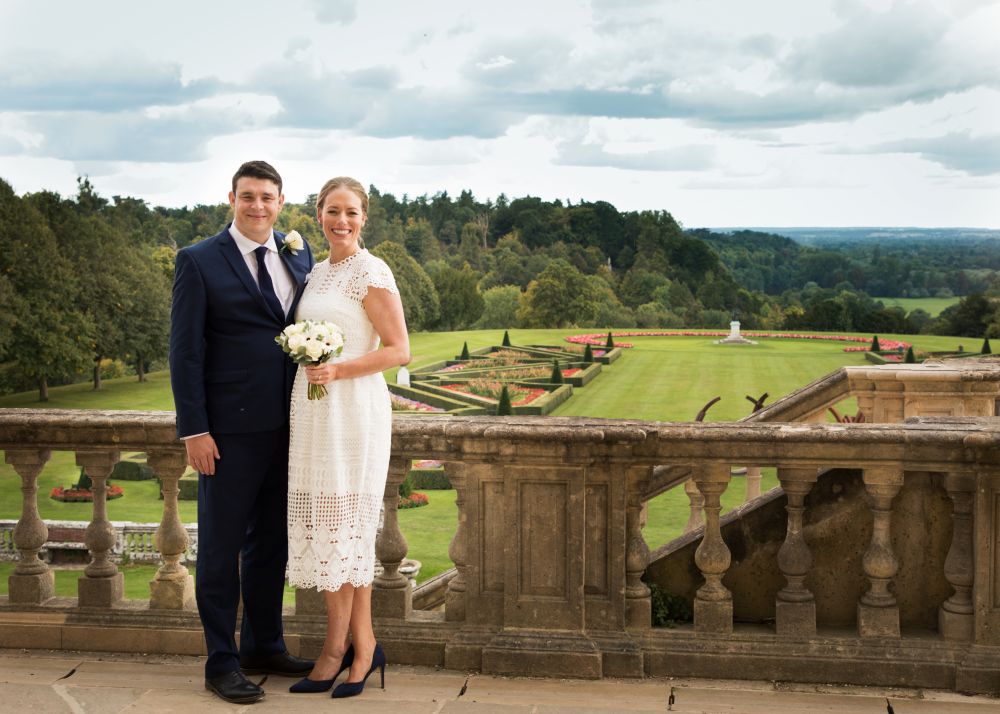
<point x="896" y="234"/>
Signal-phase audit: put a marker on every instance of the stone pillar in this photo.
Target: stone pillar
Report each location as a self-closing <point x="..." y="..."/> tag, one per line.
<point x="713" y="603"/>
<point x="795" y="607"/>
<point x="696" y="502"/>
<point x="454" y="606"/>
<point x="638" y="605"/>
<point x="173" y="586"/>
<point x="955" y="617"/>
<point x="878" y="613"/>
<point x="102" y="584"/>
<point x="32" y="582"/>
<point x="392" y="595"/>
<point x="753" y="483"/>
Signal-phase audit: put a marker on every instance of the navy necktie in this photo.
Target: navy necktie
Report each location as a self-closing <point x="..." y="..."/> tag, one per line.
<point x="266" y="286"/>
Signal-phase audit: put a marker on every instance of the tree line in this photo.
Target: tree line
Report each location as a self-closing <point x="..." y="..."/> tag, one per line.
<point x="85" y="281"/>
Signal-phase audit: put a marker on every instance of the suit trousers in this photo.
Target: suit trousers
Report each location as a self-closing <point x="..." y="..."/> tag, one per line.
<point x="243" y="548"/>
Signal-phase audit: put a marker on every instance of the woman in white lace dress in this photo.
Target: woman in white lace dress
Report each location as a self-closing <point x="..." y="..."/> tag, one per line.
<point x="339" y="448"/>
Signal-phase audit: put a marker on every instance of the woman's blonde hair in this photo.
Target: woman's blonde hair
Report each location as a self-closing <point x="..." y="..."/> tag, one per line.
<point x="347" y="182"/>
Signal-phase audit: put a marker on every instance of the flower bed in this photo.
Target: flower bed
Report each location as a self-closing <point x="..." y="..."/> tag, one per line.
<point x="74" y="495"/>
<point x="405" y="404"/>
<point x="602" y="338"/>
<point x="490" y="390"/>
<point x="414" y="500"/>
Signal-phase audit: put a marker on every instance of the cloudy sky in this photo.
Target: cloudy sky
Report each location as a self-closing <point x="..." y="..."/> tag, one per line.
<point x="723" y="112"/>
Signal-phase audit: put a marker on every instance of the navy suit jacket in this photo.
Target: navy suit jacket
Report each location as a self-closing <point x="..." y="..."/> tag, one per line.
<point x="227" y="373"/>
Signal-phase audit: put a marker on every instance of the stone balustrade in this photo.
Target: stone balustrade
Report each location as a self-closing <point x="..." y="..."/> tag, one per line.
<point x="550" y="557"/>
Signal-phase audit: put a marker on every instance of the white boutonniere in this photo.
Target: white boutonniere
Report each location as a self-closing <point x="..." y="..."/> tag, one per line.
<point x="292" y="243"/>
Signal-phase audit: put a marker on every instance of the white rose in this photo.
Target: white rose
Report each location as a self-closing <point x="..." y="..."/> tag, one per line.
<point x="293" y="242"/>
<point x="315" y="350"/>
<point x="336" y="341"/>
<point x="295" y="342"/>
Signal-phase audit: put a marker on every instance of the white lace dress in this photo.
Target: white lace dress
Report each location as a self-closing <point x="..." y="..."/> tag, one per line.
<point x="339" y="447"/>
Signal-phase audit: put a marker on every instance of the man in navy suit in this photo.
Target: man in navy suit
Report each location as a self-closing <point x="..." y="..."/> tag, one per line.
<point x="233" y="293"/>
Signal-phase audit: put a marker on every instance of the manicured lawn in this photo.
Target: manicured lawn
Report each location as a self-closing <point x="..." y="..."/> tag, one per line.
<point x="933" y="306"/>
<point x="428" y="531"/>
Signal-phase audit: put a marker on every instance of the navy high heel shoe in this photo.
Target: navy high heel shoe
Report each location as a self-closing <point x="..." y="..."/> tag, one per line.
<point x="352" y="689"/>
<point x="311" y="686"/>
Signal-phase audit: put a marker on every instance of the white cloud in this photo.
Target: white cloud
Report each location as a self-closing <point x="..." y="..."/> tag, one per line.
<point x="844" y="111"/>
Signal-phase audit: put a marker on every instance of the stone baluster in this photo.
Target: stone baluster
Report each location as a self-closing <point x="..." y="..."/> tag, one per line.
<point x="392" y="595"/>
<point x="713" y="603"/>
<point x="638" y="605"/>
<point x="795" y="607"/>
<point x="955" y="617"/>
<point x="696" y="502"/>
<point x="102" y="584"/>
<point x="878" y="613"/>
<point x="32" y="582"/>
<point x="752" y="483"/>
<point x="454" y="607"/>
<point x="173" y="587"/>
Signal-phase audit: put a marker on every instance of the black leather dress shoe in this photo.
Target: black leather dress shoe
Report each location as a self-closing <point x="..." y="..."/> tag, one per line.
<point x="235" y="688"/>
<point x="282" y="664"/>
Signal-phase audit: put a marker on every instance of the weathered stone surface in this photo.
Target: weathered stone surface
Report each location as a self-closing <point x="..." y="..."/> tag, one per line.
<point x="551" y="566"/>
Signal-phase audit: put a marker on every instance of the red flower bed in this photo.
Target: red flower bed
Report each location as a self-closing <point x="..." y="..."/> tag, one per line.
<point x="70" y="495"/>
<point x="602" y="338"/>
<point x="414" y="500"/>
<point x="518" y="395"/>
<point x="570" y="372"/>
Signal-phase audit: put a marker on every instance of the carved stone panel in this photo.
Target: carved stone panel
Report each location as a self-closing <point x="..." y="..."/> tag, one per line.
<point x="545" y="535"/>
<point x="596" y="545"/>
<point x="494" y="540"/>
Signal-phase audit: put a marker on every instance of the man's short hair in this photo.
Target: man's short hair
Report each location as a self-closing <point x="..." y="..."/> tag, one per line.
<point x="258" y="170"/>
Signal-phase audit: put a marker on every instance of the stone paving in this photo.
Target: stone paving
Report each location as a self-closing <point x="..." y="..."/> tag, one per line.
<point x="48" y="681"/>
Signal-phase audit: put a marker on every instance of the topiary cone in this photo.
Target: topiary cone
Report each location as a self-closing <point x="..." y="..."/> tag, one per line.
<point x="465" y="351"/>
<point x="503" y="404"/>
<point x="875" y="345"/>
<point x="986" y="347"/>
<point x="556" y="377"/>
<point x="506" y="339"/>
<point x="910" y="358"/>
<point x="588" y="354"/>
<point x="610" y="345"/>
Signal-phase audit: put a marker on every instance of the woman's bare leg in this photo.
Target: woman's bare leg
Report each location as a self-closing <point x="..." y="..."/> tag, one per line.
<point x="339" y="606"/>
<point x="362" y="633"/>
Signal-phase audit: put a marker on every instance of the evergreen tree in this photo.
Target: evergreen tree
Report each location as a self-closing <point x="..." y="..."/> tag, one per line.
<point x="556" y="377"/>
<point x="465" y="351"/>
<point x="503" y="405"/>
<point x="986" y="347"/>
<point x="506" y="339"/>
<point x="910" y="358"/>
<point x="588" y="354"/>
<point x="610" y="344"/>
<point x="875" y="345"/>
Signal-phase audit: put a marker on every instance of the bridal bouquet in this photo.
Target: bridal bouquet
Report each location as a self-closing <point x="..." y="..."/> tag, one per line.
<point x="308" y="342"/>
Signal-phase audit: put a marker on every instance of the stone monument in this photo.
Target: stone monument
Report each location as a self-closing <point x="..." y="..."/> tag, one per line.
<point x="735" y="338"/>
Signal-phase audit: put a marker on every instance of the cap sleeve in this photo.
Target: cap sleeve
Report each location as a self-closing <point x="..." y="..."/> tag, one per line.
<point x="380" y="276"/>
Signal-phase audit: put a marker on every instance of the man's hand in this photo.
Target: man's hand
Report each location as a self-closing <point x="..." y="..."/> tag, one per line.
<point x="202" y="453"/>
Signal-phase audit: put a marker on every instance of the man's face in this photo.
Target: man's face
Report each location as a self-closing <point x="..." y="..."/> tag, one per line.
<point x="256" y="204"/>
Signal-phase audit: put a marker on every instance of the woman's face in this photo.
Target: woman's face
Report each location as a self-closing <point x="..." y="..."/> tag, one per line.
<point x="342" y="217"/>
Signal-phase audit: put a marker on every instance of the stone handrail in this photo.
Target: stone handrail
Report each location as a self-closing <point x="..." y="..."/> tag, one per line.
<point x="889" y="393"/>
<point x="548" y="546"/>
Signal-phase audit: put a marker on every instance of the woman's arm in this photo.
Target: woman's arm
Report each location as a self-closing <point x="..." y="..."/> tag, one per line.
<point x="385" y="310"/>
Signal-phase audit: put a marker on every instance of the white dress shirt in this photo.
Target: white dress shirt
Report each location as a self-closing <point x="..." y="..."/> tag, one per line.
<point x="284" y="286"/>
